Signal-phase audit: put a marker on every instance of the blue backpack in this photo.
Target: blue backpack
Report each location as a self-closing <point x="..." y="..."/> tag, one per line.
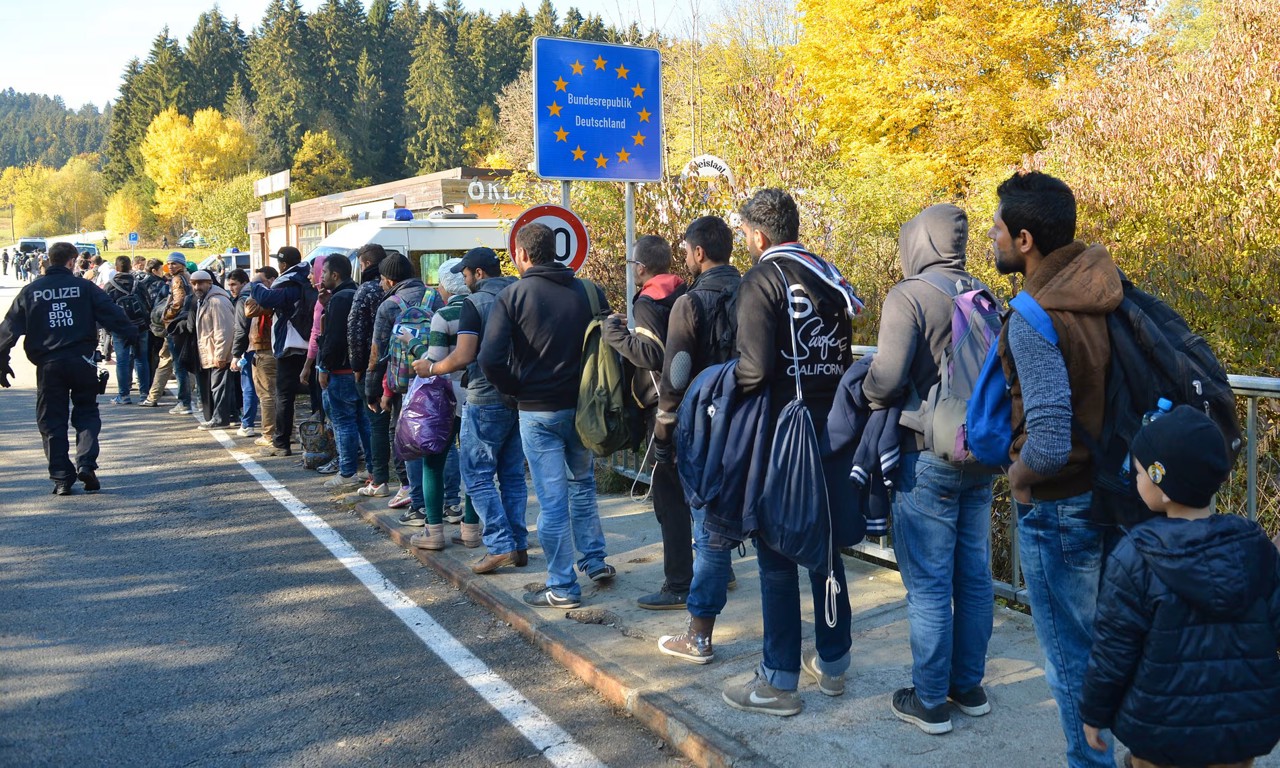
<point x="989" y="420"/>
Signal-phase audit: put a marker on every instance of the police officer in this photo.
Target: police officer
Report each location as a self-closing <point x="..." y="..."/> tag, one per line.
<point x="59" y="314"/>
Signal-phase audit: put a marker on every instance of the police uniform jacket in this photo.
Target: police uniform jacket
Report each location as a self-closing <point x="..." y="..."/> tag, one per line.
<point x="59" y="315"/>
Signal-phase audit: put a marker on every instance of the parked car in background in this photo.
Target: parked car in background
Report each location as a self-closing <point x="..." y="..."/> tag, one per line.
<point x="192" y="239"/>
<point x="87" y="249"/>
<point x="222" y="263"/>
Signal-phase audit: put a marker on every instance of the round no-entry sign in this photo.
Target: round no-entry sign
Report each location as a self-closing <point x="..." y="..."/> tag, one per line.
<point x="570" y="233"/>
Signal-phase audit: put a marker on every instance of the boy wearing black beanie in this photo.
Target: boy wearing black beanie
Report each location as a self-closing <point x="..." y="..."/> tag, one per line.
<point x="1184" y="668"/>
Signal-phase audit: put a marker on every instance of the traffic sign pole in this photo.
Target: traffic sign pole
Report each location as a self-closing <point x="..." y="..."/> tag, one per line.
<point x="631" y="241"/>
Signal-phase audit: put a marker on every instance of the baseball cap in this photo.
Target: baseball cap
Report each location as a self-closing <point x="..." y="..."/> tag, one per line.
<point x="289" y="255"/>
<point x="479" y="258"/>
<point x="200" y="274"/>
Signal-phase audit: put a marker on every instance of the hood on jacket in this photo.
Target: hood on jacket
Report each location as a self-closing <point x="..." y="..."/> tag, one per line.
<point x="1205" y="562"/>
<point x="718" y="278"/>
<point x="404" y="286"/>
<point x="935" y="238"/>
<point x="370" y="273"/>
<point x="1077" y="278"/>
<point x="555" y="272"/>
<point x="663" y="287"/>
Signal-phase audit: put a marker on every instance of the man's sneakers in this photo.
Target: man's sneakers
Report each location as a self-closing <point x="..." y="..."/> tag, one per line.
<point x="121" y="400"/>
<point x="972" y="702"/>
<point x="181" y="410"/>
<point x="272" y="450"/>
<point x="453" y="514"/>
<point x="246" y="432"/>
<point x="375" y="490"/>
<point x="601" y="573"/>
<point x="329" y="468"/>
<point x="663" y="600"/>
<point x="90" y="480"/>
<point x="147" y="402"/>
<point x="756" y="695"/>
<point x="830" y="685"/>
<point x="490" y="563"/>
<point x="342" y="483"/>
<point x="908" y="708"/>
<point x="693" y="645"/>
<point x="63" y="489"/>
<point x="212" y="424"/>
<point x="413" y="517"/>
<point x="545" y="598"/>
<point x="401" y="499"/>
<point x="263" y="441"/>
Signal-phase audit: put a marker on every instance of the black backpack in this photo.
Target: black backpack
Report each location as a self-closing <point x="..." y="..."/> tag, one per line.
<point x="718" y="311"/>
<point x="131" y="304"/>
<point x="1154" y="354"/>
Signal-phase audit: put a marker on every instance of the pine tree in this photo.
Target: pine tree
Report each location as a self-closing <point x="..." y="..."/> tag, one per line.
<point x="282" y="76"/>
<point x="214" y="60"/>
<point x="511" y="44"/>
<point x="163" y="80"/>
<point x="121" y="163"/>
<point x="394" y="62"/>
<point x="572" y="23"/>
<point x="544" y="21"/>
<point x="434" y="104"/>
<point x="594" y="29"/>
<point x="367" y="155"/>
<point x="338" y="35"/>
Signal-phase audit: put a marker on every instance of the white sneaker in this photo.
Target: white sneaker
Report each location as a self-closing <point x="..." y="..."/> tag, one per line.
<point x="181" y="410"/>
<point x="375" y="490"/>
<point x="246" y="432"/>
<point x="264" y="441"/>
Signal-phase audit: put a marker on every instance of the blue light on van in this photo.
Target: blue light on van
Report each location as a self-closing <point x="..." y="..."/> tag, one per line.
<point x="404" y="214"/>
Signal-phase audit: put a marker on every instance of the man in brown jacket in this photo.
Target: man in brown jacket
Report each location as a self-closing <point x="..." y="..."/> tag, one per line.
<point x="264" y="361"/>
<point x="172" y="362"/>
<point x="1058" y="393"/>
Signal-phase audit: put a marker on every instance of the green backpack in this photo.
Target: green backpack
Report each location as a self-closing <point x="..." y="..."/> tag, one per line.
<point x="601" y="418"/>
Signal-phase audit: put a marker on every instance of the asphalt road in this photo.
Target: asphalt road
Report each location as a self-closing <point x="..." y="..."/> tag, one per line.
<point x="183" y="616"/>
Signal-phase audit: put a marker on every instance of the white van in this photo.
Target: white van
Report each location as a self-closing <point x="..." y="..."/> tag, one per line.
<point x="427" y="242"/>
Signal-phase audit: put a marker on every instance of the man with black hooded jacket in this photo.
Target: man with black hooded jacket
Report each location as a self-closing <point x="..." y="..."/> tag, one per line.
<point x="941" y="512"/>
<point x="291" y="297"/>
<point x="794" y="327"/>
<point x="532" y="351"/>
<point x="644" y="348"/>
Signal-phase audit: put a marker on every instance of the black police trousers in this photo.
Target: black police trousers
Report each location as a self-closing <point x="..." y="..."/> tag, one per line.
<point x="68" y="387"/>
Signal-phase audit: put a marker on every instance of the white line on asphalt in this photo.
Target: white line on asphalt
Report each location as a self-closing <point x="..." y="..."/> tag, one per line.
<point x="557" y="746"/>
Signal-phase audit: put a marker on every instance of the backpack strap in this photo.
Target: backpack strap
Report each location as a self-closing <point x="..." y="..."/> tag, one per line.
<point x="791" y="318"/>
<point x="593" y="296"/>
<point x="948" y="288"/>
<point x="1033" y="313"/>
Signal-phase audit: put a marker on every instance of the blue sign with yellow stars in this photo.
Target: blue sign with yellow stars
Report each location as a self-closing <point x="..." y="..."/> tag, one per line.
<point x="598" y="111"/>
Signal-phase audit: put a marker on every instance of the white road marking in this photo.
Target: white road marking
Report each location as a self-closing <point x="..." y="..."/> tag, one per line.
<point x="555" y="745"/>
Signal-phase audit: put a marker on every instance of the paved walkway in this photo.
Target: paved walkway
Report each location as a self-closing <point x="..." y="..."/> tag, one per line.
<point x="612" y="645"/>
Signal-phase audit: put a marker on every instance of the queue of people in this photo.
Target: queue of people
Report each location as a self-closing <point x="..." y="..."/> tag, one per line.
<point x="1174" y="633"/>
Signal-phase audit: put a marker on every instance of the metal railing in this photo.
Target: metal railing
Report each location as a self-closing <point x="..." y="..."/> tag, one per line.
<point x="1252" y="388"/>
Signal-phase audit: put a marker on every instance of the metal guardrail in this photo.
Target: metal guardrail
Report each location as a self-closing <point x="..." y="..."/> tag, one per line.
<point x="1252" y="388"/>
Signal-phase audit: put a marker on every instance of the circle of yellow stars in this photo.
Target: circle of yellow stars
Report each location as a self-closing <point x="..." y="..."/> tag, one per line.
<point x="637" y="91"/>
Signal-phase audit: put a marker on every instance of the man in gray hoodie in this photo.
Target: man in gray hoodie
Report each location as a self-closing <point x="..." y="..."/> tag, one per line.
<point x="941" y="512"/>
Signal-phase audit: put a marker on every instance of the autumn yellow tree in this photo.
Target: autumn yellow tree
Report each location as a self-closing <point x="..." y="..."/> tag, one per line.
<point x="951" y="86"/>
<point x="321" y="168"/>
<point x="186" y="157"/>
<point x="129" y="209"/>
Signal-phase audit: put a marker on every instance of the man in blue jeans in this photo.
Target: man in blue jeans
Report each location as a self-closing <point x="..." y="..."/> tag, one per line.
<point x="532" y="351"/>
<point x="699" y="335"/>
<point x="345" y="405"/>
<point x="794" y="326"/>
<point x="1058" y="393"/>
<point x="941" y="512"/>
<point x="490" y="438"/>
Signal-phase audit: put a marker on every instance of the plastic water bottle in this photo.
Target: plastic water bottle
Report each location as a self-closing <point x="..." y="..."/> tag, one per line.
<point x="1163" y="406"/>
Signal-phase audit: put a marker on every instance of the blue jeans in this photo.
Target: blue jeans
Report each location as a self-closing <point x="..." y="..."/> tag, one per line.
<point x="941" y="535"/>
<point x="453" y="476"/>
<point x="350" y="419"/>
<point x="780" y="601"/>
<point x="180" y="373"/>
<point x="564" y="480"/>
<point x="491" y="446"/>
<point x="129" y="362"/>
<point x="1061" y="555"/>
<point x="709" y="590"/>
<point x="248" y="394"/>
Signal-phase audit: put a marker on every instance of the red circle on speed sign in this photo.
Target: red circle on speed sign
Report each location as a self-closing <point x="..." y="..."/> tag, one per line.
<point x="569" y="231"/>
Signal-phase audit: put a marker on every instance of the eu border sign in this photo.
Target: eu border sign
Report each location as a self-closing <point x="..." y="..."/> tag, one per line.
<point x="597" y="111"/>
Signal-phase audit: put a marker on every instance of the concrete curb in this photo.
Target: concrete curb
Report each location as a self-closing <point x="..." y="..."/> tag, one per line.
<point x="697" y="740"/>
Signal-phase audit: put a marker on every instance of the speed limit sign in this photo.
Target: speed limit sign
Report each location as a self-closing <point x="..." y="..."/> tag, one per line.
<point x="569" y="231"/>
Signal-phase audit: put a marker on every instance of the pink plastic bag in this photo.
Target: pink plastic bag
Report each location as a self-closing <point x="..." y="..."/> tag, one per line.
<point x="426" y="420"/>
